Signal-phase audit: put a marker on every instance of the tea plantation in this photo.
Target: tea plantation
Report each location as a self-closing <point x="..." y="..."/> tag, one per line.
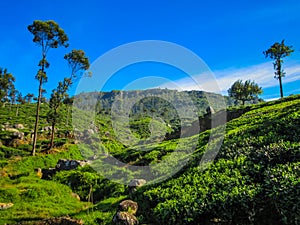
<point x="254" y="179"/>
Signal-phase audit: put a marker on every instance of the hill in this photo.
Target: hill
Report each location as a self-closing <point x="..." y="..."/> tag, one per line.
<point x="254" y="179"/>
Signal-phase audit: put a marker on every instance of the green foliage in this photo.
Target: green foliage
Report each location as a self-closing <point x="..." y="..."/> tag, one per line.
<point x="8" y="92"/>
<point x="247" y="91"/>
<point x="278" y="51"/>
<point x="89" y="184"/>
<point x="254" y="179"/>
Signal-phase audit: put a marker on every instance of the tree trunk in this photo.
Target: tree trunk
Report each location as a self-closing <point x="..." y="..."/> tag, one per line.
<point x="67" y="122"/>
<point x="280" y="85"/>
<point x="37" y="118"/>
<point x="17" y="111"/>
<point x="52" y="135"/>
<point x="279" y="72"/>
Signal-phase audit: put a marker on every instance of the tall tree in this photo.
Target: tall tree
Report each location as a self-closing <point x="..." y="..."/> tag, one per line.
<point x="277" y="52"/>
<point x="47" y="35"/>
<point x="244" y="91"/>
<point x="7" y="87"/>
<point x="78" y="63"/>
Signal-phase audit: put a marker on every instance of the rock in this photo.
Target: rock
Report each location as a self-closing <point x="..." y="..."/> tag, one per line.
<point x="6" y="125"/>
<point x="74" y="195"/>
<point x="89" y="132"/>
<point x="6" y="205"/>
<point x="47" y="128"/>
<point x="124" y="218"/>
<point x="19" y="135"/>
<point x="19" y="126"/>
<point x="128" y="206"/>
<point x="137" y="182"/>
<point x="65" y="164"/>
<point x="13" y="130"/>
<point x="134" y="184"/>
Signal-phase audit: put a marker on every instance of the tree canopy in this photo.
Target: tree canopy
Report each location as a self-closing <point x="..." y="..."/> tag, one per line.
<point x="278" y="51"/>
<point x="8" y="92"/>
<point x="246" y="91"/>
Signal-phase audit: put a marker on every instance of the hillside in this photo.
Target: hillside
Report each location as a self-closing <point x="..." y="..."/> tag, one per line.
<point x="255" y="178"/>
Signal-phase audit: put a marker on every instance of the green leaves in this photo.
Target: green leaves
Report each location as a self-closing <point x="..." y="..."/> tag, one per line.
<point x="77" y="62"/>
<point x="244" y="91"/>
<point x="7" y="87"/>
<point x="48" y="34"/>
<point x="278" y="51"/>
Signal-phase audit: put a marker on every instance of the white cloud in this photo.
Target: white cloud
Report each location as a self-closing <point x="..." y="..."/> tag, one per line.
<point x="262" y="74"/>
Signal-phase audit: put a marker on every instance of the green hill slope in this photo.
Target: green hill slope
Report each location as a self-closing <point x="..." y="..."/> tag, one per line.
<point x="255" y="178"/>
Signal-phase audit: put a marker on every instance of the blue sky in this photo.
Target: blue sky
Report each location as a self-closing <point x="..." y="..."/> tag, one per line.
<point x="229" y="36"/>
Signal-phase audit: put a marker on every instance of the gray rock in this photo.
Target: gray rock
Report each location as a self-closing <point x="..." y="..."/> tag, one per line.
<point x="18" y="135"/>
<point x="124" y="218"/>
<point x="19" y="126"/>
<point x="66" y="164"/>
<point x="134" y="184"/>
<point x="9" y="129"/>
<point x="137" y="182"/>
<point x="128" y="206"/>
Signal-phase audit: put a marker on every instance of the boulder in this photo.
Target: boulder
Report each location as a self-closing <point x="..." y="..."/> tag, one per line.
<point x="128" y="206"/>
<point x="13" y="130"/>
<point x="137" y="182"/>
<point x="66" y="164"/>
<point x="19" y="126"/>
<point x="134" y="184"/>
<point x="6" y="205"/>
<point x="124" y="218"/>
<point x="89" y="132"/>
<point x="18" y="135"/>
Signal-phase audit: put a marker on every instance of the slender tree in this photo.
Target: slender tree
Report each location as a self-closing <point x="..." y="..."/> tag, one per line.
<point x="47" y="35"/>
<point x="7" y="87"/>
<point x="244" y="91"/>
<point x="277" y="52"/>
<point x="78" y="63"/>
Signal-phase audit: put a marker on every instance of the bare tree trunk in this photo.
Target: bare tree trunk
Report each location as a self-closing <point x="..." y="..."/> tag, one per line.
<point x="52" y="136"/>
<point x="67" y="122"/>
<point x="279" y="73"/>
<point x="280" y="85"/>
<point x="37" y="118"/>
<point x="17" y="111"/>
